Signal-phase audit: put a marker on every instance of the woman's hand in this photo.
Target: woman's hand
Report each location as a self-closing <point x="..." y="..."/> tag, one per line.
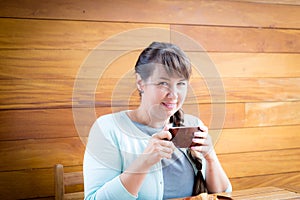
<point x="203" y="144"/>
<point x="215" y="177"/>
<point x="159" y="147"/>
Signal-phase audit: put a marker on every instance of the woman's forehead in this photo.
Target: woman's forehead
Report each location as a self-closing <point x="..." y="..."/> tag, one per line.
<point x="161" y="73"/>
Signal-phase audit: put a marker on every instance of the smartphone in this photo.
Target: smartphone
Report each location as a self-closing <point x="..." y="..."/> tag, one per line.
<point x="182" y="136"/>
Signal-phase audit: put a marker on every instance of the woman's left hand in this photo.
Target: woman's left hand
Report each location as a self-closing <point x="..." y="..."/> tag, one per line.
<point x="215" y="177"/>
<point x="203" y="143"/>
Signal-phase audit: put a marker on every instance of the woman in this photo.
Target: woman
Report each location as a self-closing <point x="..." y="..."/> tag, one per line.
<point x="129" y="154"/>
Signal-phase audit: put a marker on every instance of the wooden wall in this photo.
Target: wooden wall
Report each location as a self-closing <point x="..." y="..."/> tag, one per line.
<point x="255" y="47"/>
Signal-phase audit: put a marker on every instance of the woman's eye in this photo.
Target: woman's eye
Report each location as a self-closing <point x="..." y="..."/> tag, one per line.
<point x="163" y="84"/>
<point x="181" y="83"/>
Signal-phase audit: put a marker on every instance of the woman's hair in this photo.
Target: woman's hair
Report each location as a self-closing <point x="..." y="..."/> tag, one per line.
<point x="174" y="61"/>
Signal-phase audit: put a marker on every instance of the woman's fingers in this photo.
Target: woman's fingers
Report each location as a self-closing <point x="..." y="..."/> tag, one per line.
<point x="163" y="135"/>
<point x="202" y="141"/>
<point x="159" y="147"/>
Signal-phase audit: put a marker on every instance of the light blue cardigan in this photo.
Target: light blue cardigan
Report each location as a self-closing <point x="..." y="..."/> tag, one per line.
<point x="114" y="143"/>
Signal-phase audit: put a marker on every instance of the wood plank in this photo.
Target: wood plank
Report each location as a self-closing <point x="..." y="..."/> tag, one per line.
<point x="59" y="123"/>
<point x="258" y="139"/>
<point x="264" y="193"/>
<point x="233" y="39"/>
<point x="224" y="13"/>
<point x="22" y="93"/>
<point x="261" y="162"/>
<point x="14" y="126"/>
<point x="272" y="113"/>
<point x="46" y="123"/>
<point x="289" y="2"/>
<point x="36" y="124"/>
<point x="40" y="64"/>
<point x="247" y="89"/>
<point x="276" y="65"/>
<point x="69" y="35"/>
<point x="65" y="64"/>
<point x="40" y="153"/>
<point x="277" y="180"/>
<point x="57" y="93"/>
<point x="212" y="115"/>
<point x="69" y="151"/>
<point x="73" y="178"/>
<point x="59" y="34"/>
<point x="74" y="196"/>
<point x="39" y="183"/>
<point x="43" y="198"/>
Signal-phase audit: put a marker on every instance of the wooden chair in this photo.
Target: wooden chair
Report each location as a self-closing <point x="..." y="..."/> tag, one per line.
<point x="63" y="180"/>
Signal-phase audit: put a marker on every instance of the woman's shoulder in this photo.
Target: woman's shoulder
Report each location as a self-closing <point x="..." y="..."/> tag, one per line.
<point x="191" y="120"/>
<point x="110" y="124"/>
<point x="111" y="117"/>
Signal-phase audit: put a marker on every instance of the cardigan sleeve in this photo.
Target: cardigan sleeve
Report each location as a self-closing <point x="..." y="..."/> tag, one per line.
<point x="95" y="185"/>
<point x="102" y="166"/>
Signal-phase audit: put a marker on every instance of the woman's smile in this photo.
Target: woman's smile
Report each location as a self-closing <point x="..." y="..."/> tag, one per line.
<point x="170" y="105"/>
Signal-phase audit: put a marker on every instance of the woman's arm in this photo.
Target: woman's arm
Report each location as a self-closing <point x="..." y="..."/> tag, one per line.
<point x="102" y="165"/>
<point x="156" y="150"/>
<point x="215" y="177"/>
<point x="103" y="174"/>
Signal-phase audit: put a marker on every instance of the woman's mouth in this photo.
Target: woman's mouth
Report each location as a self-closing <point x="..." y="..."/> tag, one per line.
<point x="169" y="106"/>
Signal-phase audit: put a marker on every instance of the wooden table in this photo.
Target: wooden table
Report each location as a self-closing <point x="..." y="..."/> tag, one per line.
<point x="263" y="193"/>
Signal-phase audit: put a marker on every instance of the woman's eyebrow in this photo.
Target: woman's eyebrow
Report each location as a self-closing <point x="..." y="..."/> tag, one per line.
<point x="164" y="78"/>
<point x="168" y="79"/>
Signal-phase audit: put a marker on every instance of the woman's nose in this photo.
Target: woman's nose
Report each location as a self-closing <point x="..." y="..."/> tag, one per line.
<point x="172" y="93"/>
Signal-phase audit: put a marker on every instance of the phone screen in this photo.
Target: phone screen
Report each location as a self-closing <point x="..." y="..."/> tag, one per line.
<point x="182" y="136"/>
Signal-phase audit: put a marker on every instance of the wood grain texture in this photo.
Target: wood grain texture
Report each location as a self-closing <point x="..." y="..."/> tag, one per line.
<point x="58" y="34"/>
<point x="274" y="65"/>
<point x="224" y="13"/>
<point x="264" y="193"/>
<point x="272" y="114"/>
<point x="258" y="139"/>
<point x="36" y="124"/>
<point x="57" y="93"/>
<point x="41" y="180"/>
<point x="253" y="47"/>
<point x="65" y="64"/>
<point x="43" y="153"/>
<point x="60" y="123"/>
<point x="73" y="178"/>
<point x="41" y="64"/>
<point x="277" y="180"/>
<point x="234" y="39"/>
<point x="247" y="89"/>
<point x="56" y="123"/>
<point x="43" y="34"/>
<point x="288" y="2"/>
<point x="261" y="162"/>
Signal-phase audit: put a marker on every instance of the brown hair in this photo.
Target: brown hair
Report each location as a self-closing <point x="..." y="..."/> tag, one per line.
<point x="173" y="59"/>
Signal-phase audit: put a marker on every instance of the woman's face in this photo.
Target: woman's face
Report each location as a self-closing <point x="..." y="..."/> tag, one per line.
<point x="163" y="94"/>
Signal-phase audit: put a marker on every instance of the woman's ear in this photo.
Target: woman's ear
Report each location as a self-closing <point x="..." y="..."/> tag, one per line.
<point x="139" y="83"/>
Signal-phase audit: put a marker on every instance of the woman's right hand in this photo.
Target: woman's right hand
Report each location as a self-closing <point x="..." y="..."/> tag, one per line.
<point x="159" y="147"/>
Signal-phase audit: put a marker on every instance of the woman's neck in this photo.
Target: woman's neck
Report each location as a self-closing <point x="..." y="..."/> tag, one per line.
<point x="143" y="116"/>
